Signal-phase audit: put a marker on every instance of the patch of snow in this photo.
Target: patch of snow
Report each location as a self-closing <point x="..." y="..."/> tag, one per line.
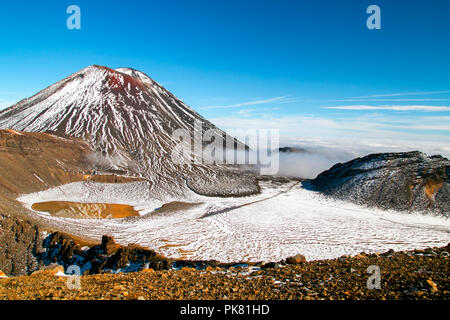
<point x="282" y="221"/>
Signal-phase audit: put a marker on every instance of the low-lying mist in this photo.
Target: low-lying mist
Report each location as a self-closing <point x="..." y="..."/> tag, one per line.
<point x="305" y="165"/>
<point x="298" y="162"/>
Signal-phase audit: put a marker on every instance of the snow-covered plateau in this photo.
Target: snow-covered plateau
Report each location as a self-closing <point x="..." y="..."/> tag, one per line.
<point x="283" y="220"/>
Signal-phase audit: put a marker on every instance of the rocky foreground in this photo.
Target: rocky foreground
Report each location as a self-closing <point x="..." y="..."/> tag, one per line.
<point x="416" y="275"/>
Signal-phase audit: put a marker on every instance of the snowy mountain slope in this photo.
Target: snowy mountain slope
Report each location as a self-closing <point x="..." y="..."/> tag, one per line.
<point x="128" y="119"/>
<point x="405" y="181"/>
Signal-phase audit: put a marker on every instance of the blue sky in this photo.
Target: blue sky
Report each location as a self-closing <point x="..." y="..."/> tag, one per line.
<point x="311" y="68"/>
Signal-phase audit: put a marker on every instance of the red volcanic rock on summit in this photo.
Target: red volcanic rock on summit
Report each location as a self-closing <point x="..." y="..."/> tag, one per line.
<point x="119" y="82"/>
<point x="129" y="121"/>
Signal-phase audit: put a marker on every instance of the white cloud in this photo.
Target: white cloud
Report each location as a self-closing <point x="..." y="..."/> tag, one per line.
<point x="354" y="135"/>
<point x="405" y="94"/>
<point x="425" y="127"/>
<point x="249" y="111"/>
<point x="282" y="99"/>
<point x="246" y="111"/>
<point x="395" y="108"/>
<point x="383" y="100"/>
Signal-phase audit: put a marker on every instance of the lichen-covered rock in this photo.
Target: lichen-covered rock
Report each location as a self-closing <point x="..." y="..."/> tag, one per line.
<point x="407" y="181"/>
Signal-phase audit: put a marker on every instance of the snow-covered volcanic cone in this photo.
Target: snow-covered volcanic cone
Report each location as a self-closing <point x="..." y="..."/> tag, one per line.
<point x="129" y="120"/>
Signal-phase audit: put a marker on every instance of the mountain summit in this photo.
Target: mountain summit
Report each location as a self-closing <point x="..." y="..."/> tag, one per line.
<point x="129" y="120"/>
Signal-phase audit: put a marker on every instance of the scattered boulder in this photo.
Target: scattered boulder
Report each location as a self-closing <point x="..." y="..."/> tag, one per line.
<point x="433" y="286"/>
<point x="297" y="259"/>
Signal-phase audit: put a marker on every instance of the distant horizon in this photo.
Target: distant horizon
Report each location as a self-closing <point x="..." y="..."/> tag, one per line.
<point x="311" y="69"/>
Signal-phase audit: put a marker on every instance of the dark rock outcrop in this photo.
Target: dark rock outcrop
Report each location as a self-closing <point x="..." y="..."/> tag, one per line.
<point x="407" y="181"/>
<point x="109" y="257"/>
<point x="108" y="245"/>
<point x="103" y="258"/>
<point x="20" y="242"/>
<point x="269" y="265"/>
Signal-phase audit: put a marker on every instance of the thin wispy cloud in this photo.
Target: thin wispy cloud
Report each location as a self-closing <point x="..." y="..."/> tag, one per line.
<point x="385" y="100"/>
<point x="246" y="111"/>
<point x="387" y="97"/>
<point x="300" y="125"/>
<point x="404" y="94"/>
<point x="394" y="108"/>
<point x="251" y="111"/>
<point x="372" y="100"/>
<point x="425" y="127"/>
<point x="282" y="99"/>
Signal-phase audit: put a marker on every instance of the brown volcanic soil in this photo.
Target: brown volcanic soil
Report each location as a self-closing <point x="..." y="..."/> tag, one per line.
<point x="67" y="209"/>
<point x="32" y="162"/>
<point x="419" y="274"/>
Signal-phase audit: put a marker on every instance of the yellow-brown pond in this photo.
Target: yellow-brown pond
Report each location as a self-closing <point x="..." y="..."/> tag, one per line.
<point x="78" y="210"/>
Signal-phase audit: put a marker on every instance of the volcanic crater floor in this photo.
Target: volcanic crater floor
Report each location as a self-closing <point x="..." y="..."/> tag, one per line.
<point x="283" y="220"/>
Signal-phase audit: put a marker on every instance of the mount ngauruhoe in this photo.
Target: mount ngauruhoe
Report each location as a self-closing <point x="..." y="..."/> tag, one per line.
<point x="128" y="120"/>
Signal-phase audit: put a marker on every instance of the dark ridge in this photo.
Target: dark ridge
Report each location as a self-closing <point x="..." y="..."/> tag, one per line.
<point x="406" y="181"/>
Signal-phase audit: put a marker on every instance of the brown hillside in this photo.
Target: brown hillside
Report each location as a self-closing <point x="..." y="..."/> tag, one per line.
<point x="32" y="162"/>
